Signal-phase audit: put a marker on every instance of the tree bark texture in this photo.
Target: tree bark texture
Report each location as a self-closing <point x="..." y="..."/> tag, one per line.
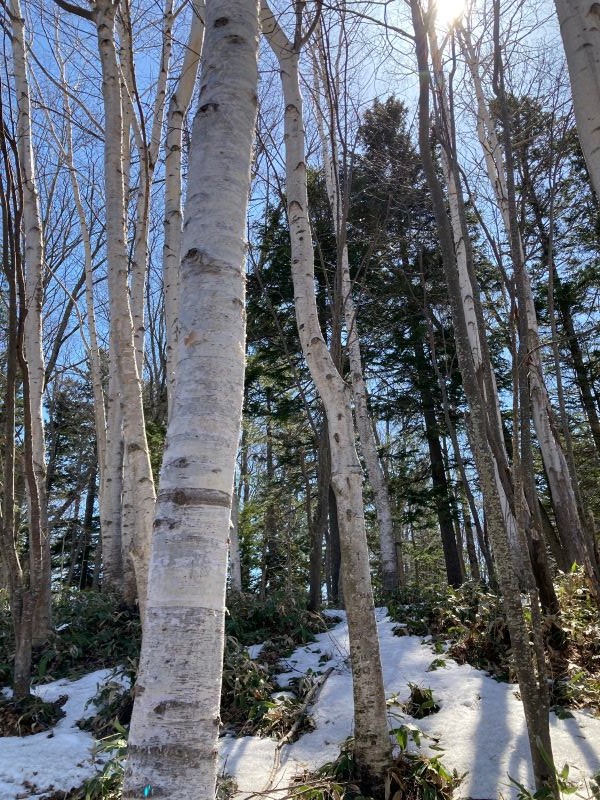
<point x="175" y="724"/>
<point x="372" y="743"/>
<point x="364" y="424"/>
<point x="570" y="526"/>
<point x="529" y="668"/>
<point x="39" y="544"/>
<point x="176" y="114"/>
<point x="138" y="496"/>
<point x="580" y="29"/>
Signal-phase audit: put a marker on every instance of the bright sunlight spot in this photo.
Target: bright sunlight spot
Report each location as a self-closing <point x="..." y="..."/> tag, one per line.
<point x="449" y="11"/>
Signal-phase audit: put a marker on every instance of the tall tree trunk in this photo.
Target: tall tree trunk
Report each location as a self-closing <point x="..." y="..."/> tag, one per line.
<point x="147" y="148"/>
<point x="20" y="595"/>
<point x="372" y="745"/>
<point x="235" y="558"/>
<point x="175" y="723"/>
<point x="391" y="576"/>
<point x="523" y="457"/>
<point x="39" y="546"/>
<point x="139" y="499"/>
<point x="442" y="501"/>
<point x="529" y="664"/>
<point x="93" y="350"/>
<point x="176" y="114"/>
<point x="112" y="487"/>
<point x="571" y="529"/>
<point x="317" y="520"/>
<point x="580" y="30"/>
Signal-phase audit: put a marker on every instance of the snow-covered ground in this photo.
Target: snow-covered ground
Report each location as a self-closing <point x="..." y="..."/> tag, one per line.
<point x="480" y="726"/>
<point x="57" y="759"/>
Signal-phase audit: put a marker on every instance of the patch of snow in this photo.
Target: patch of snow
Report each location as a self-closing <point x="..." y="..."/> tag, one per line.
<point x="282" y="696"/>
<point x="254" y="650"/>
<point x="480" y="726"/>
<point x="56" y="760"/>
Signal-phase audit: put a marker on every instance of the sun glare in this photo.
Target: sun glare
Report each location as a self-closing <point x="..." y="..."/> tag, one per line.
<point x="449" y="11"/>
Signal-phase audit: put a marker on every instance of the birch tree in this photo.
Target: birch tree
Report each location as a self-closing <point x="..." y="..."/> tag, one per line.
<point x="327" y="91"/>
<point x="175" y="724"/>
<point x="176" y="114"/>
<point x="372" y="744"/>
<point x="529" y="662"/>
<point x="21" y="581"/>
<point x="534" y="394"/>
<point x="580" y="29"/>
<point x="138" y="497"/>
<point x="33" y="346"/>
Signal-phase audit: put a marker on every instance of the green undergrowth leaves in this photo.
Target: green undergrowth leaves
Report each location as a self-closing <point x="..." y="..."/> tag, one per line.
<point x="251" y="620"/>
<point x="29" y="716"/>
<point x="412" y="776"/>
<point x="249" y="702"/>
<point x="92" y="630"/>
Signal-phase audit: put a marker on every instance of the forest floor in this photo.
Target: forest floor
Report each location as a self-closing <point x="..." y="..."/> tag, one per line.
<point x="479" y="730"/>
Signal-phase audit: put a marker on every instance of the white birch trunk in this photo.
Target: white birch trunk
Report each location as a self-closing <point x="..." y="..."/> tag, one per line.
<point x="110" y="510"/>
<point x="391" y="574"/>
<point x="39" y="546"/>
<point x="467" y="291"/>
<point x="92" y="347"/>
<point x="372" y="744"/>
<point x="559" y="478"/>
<point x="175" y="724"/>
<point x="138" y="505"/>
<point x="580" y="29"/>
<point x="176" y="114"/>
<point x="148" y="156"/>
<point x="235" y="559"/>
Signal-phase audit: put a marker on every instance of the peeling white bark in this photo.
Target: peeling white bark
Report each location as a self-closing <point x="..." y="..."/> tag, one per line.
<point x="372" y="747"/>
<point x="174" y="729"/>
<point x="580" y="29"/>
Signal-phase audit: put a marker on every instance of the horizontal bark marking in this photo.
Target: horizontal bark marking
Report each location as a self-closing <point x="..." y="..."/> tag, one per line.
<point x="167" y="705"/>
<point x="177" y="753"/>
<point x="221" y="22"/>
<point x="195" y="497"/>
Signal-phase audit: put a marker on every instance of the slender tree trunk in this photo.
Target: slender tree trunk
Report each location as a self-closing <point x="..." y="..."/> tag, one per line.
<point x="139" y="499"/>
<point x="317" y="520"/>
<point x="39" y="547"/>
<point x="438" y="475"/>
<point x="364" y="424"/>
<point x="112" y="487"/>
<point x="471" y="551"/>
<point x="580" y="29"/>
<point x="87" y="528"/>
<point x="21" y="599"/>
<point x="148" y="149"/>
<point x="235" y="559"/>
<point x="581" y="369"/>
<point x="570" y="526"/>
<point x="372" y="744"/>
<point x="175" y="723"/>
<point x="529" y="665"/>
<point x="176" y="114"/>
